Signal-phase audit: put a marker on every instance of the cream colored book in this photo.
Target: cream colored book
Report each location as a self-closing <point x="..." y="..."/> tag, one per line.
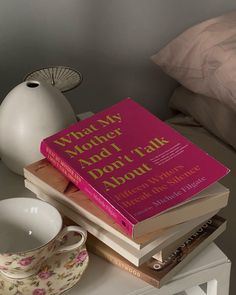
<point x="135" y="256"/>
<point x="58" y="187"/>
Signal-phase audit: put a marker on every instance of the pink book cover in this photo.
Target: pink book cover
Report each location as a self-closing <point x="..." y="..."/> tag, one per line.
<point x="133" y="165"/>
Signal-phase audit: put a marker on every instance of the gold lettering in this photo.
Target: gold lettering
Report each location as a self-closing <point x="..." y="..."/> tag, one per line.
<point x="110" y="119"/>
<point x="84" y="163"/>
<point x="68" y="138"/>
<point x="119" y="180"/>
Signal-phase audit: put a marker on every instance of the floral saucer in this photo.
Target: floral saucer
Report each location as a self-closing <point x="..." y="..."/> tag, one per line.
<point x="60" y="273"/>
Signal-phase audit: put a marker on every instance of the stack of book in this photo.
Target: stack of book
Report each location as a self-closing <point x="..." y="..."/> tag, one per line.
<point x="147" y="196"/>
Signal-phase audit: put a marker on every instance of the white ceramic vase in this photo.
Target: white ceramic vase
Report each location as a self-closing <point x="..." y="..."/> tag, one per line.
<point x="30" y="112"/>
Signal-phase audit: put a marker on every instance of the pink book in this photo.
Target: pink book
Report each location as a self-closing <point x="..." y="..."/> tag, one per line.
<point x="133" y="165"/>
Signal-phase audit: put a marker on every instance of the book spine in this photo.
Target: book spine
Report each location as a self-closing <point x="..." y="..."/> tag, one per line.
<point x="82" y="184"/>
<point x="99" y="251"/>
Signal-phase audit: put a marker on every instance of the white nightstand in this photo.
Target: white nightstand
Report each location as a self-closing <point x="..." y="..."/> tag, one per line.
<point x="211" y="266"/>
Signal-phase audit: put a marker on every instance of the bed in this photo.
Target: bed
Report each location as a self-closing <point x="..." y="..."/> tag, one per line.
<point x="216" y="147"/>
<point x="203" y="60"/>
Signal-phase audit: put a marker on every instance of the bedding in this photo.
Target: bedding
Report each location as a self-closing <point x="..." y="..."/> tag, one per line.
<point x="187" y="126"/>
<point x="210" y="113"/>
<point x="203" y="59"/>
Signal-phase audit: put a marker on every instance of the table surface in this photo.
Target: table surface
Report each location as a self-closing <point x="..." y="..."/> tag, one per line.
<point x="101" y="277"/>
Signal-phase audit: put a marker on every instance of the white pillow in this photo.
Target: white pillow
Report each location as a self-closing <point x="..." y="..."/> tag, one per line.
<point x="203" y="59"/>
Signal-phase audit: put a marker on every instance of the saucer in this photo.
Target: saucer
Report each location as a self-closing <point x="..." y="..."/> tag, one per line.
<point x="60" y="273"/>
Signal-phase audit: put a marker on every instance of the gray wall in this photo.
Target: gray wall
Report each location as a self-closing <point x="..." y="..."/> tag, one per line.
<point x="109" y="41"/>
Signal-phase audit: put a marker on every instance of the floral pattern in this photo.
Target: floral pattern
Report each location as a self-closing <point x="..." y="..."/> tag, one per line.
<point x="59" y="274"/>
<point x="39" y="291"/>
<point x="45" y="273"/>
<point x="81" y="256"/>
<point x="26" y="261"/>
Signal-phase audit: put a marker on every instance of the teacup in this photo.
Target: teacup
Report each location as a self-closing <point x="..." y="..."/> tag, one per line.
<point x="30" y="232"/>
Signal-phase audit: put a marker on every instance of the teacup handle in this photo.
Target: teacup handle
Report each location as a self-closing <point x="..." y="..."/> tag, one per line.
<point x="65" y="231"/>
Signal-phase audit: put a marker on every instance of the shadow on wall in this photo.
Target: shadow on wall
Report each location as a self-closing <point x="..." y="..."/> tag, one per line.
<point x="109" y="41"/>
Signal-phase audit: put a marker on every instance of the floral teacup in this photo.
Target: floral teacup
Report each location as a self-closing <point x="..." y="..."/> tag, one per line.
<point x="30" y="232"/>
